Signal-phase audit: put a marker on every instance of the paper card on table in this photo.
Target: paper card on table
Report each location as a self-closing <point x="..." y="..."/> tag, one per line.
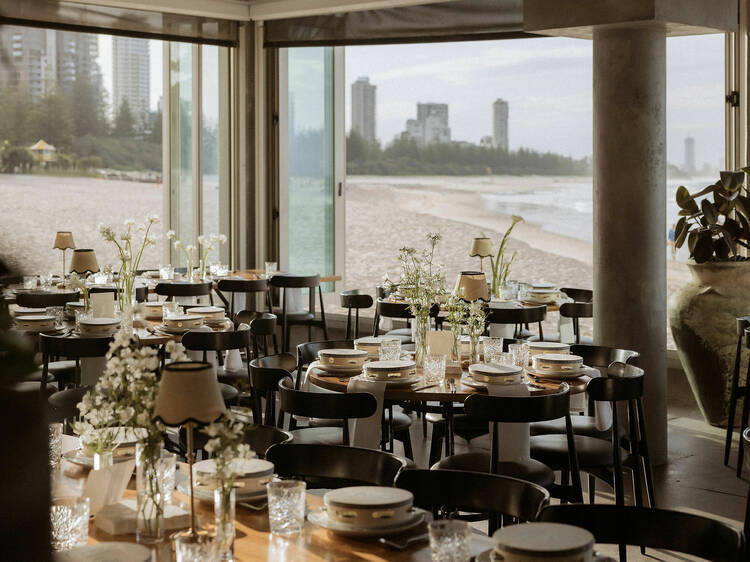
<point x="106" y="486"/>
<point x="440" y="343"/>
<point x="120" y="518"/>
<point x="102" y="304"/>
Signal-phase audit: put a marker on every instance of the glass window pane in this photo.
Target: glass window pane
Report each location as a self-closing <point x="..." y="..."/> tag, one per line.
<point x="181" y="125"/>
<point x="210" y="156"/>
<point x="311" y="193"/>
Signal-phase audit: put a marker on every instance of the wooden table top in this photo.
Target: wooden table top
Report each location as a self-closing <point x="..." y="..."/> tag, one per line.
<point x="440" y="393"/>
<point x="253" y="540"/>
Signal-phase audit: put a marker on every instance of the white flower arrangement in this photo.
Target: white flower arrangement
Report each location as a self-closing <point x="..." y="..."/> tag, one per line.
<point x="74" y="281"/>
<point x="422" y="280"/>
<point x="226" y="444"/>
<point x="129" y="260"/>
<point x="206" y="243"/>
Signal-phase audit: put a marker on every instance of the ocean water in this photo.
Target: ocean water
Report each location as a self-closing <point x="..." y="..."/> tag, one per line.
<point x="567" y="208"/>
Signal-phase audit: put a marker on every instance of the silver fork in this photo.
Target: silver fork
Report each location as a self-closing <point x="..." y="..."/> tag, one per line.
<point x="403" y="545"/>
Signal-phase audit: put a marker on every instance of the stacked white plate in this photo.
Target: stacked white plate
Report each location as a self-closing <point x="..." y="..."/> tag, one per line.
<point x="367" y="511"/>
<point x="72" y="307"/>
<point x="555" y="542"/>
<point x="153" y="310"/>
<point x="557" y="366"/>
<point x="370" y="344"/>
<point x="392" y="372"/>
<point x="23" y="311"/>
<point x="35" y="323"/>
<point x="210" y="314"/>
<point x="254" y="475"/>
<point x="181" y="323"/>
<point x="483" y="374"/>
<point x="98" y="327"/>
<point x="344" y="361"/>
<point x="538" y="347"/>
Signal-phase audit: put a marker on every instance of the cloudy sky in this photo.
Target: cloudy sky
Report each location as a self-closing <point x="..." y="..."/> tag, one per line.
<point x="547" y="83"/>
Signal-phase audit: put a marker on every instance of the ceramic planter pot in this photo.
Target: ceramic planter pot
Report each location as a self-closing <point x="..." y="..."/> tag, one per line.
<point x="702" y="315"/>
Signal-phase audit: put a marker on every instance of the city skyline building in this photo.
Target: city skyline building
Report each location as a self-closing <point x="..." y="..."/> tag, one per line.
<point x="131" y="79"/>
<point x="431" y="125"/>
<point x="363" y="108"/>
<point x="500" y="124"/>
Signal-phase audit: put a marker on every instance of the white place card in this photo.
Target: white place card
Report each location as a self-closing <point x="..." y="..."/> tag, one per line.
<point x="102" y="305"/>
<point x="440" y="343"/>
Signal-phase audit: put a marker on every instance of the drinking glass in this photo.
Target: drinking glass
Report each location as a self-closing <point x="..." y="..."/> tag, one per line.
<point x="83" y="315"/>
<point x="492" y="347"/>
<point x="389" y="350"/>
<point x="520" y="352"/>
<point x="29" y="281"/>
<point x="434" y="369"/>
<point x="222" y="270"/>
<point x="167" y="470"/>
<point x="166" y="271"/>
<point x="196" y="549"/>
<point x="501" y="359"/>
<point x="69" y="520"/>
<point x="271" y="268"/>
<point x="55" y="444"/>
<point x="57" y="312"/>
<point x="169" y="309"/>
<point x="286" y="506"/>
<point x="450" y="540"/>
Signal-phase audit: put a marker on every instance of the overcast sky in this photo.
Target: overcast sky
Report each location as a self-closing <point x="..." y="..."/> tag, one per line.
<point x="548" y="84"/>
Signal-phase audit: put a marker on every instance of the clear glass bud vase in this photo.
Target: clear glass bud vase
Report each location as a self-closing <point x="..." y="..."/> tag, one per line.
<point x="102" y="460"/>
<point x="224" y="499"/>
<point x="419" y="332"/>
<point x="150" y="499"/>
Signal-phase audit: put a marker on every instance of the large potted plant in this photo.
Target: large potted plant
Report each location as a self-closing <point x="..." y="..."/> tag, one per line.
<point x="715" y="224"/>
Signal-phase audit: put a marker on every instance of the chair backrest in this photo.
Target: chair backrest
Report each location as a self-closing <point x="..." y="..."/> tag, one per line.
<point x="653" y="528"/>
<point x="63" y="405"/>
<point x="335" y="466"/>
<point x="73" y="347"/>
<point x="602" y="356"/>
<point x="289" y="281"/>
<point x="388" y="309"/>
<point x="333" y="405"/>
<point x="43" y="299"/>
<point x="261" y="323"/>
<point x="519" y="409"/>
<point x="577" y="310"/>
<point x="579" y="295"/>
<point x="181" y="289"/>
<point x="458" y="490"/>
<point x="524" y="315"/>
<point x="243" y="285"/>
<point x="266" y="372"/>
<point x="308" y="352"/>
<point x="623" y="382"/>
<point x="196" y="340"/>
<point x="354" y="298"/>
<point x="382" y="292"/>
<point x="263" y="437"/>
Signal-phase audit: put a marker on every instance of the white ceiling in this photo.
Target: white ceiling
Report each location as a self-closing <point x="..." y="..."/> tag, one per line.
<point x="245" y="10"/>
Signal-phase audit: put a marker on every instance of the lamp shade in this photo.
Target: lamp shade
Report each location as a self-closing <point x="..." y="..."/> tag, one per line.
<point x="64" y="240"/>
<point x="84" y="261"/>
<point x="188" y="392"/>
<point x="472" y="285"/>
<point x="481" y="247"/>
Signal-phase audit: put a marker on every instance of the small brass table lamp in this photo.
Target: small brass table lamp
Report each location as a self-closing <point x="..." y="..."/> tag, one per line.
<point x="64" y="241"/>
<point x="481" y="248"/>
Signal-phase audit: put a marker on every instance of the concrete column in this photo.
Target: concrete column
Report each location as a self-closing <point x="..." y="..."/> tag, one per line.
<point x="630" y="206"/>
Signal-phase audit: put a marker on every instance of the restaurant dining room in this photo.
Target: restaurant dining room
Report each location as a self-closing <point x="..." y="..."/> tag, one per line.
<point x="246" y="313"/>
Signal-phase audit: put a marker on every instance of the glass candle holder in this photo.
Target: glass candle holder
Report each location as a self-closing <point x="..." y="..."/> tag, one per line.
<point x="69" y="522"/>
<point x="389" y="350"/>
<point x="286" y="506"/>
<point x="450" y="540"/>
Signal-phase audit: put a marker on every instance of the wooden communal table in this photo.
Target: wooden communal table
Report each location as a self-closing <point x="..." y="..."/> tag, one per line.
<point x="253" y="541"/>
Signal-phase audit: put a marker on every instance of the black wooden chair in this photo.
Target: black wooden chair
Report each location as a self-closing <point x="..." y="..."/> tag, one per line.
<point x="185" y="289"/>
<point x="738" y="391"/>
<point x="519" y="317"/>
<point x="686" y="533"/>
<point x="579" y="295"/>
<point x="334" y="466"/>
<point x="446" y="492"/>
<point x="63" y="406"/>
<point x="220" y="342"/>
<point x="43" y="299"/>
<point x="307" y="318"/>
<point x="521" y="409"/>
<point x="70" y="348"/>
<point x="746" y="439"/>
<point x="265" y="374"/>
<point x="308" y="353"/>
<point x="246" y="286"/>
<point x="575" y="311"/>
<point x="141" y="292"/>
<point x="398" y="311"/>
<point x="328" y="405"/>
<point x="354" y="300"/>
<point x="605" y="458"/>
<point x="263" y="437"/>
<point x="262" y="326"/>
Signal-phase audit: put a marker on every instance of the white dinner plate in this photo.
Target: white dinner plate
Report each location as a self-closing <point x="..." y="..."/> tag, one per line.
<point x="109" y="551"/>
<point x="406" y="381"/>
<point x="320" y="518"/>
<point x="558" y="376"/>
<point x="337" y="369"/>
<point x="206" y="494"/>
<point x="469" y="381"/>
<point x="78" y="457"/>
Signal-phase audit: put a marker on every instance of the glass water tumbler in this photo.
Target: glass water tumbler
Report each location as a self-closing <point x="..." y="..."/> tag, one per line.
<point x="389" y="350"/>
<point x="493" y="347"/>
<point x="520" y="353"/>
<point x="450" y="540"/>
<point x="434" y="369"/>
<point x="69" y="522"/>
<point x="286" y="506"/>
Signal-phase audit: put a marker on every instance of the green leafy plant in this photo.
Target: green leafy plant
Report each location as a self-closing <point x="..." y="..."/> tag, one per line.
<point x="500" y="262"/>
<point x="720" y="224"/>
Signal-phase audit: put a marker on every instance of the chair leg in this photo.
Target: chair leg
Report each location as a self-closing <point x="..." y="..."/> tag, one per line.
<point x="646" y="456"/>
<point x="745" y="411"/>
<point x="405" y="437"/>
<point x="348" y="324"/>
<point x="323" y="314"/>
<point x="733" y="402"/>
<point x="436" y="442"/>
<point x="592" y="489"/>
<point x="616" y="460"/>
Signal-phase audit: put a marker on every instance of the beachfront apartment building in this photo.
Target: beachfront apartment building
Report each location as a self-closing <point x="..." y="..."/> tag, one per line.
<point x="131" y="78"/>
<point x="363" y="108"/>
<point x="431" y="125"/>
<point x="500" y="124"/>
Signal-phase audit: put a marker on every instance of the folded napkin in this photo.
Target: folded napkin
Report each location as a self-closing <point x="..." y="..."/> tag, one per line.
<point x="513" y="438"/>
<point x="106" y="486"/>
<point x="602" y="410"/>
<point x="564" y="324"/>
<point x="120" y="518"/>
<point x="366" y="432"/>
